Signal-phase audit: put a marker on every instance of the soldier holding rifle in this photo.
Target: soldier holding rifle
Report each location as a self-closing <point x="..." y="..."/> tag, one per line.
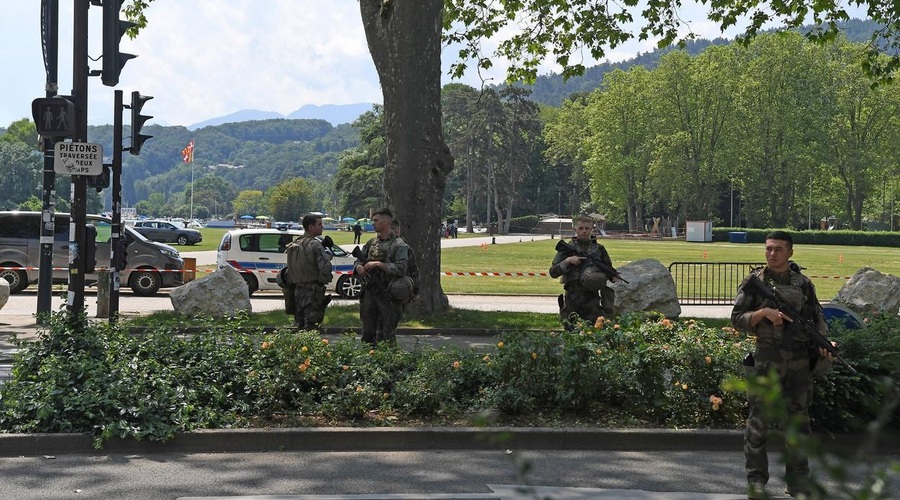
<point x="785" y="348"/>
<point x="382" y="264"/>
<point x="587" y="294"/>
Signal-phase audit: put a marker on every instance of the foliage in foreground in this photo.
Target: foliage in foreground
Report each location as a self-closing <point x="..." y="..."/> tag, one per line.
<point x="641" y="371"/>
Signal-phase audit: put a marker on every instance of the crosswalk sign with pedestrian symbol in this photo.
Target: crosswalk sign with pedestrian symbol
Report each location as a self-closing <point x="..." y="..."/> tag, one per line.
<point x="53" y="116"/>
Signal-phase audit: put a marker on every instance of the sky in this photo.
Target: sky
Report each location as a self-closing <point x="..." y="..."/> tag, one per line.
<point x="201" y="59"/>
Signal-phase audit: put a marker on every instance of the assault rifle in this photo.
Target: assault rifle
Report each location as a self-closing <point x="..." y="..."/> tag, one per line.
<point x="756" y="286"/>
<point x="569" y="250"/>
<point x="357" y="252"/>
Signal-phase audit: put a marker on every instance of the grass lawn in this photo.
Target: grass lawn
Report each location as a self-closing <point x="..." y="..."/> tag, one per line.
<point x="827" y="265"/>
<point x="823" y="263"/>
<point x="348" y="316"/>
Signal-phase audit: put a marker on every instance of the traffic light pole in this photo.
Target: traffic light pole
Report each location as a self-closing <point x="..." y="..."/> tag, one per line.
<point x="50" y="32"/>
<point x="117" y="248"/>
<point x="80" y="70"/>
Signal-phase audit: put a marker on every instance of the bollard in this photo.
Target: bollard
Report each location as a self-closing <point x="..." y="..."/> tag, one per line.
<point x="493" y="240"/>
<point x="103" y="293"/>
<point x="190" y="269"/>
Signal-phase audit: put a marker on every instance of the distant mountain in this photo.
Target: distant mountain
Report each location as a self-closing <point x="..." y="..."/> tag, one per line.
<point x="240" y="116"/>
<point x="335" y="114"/>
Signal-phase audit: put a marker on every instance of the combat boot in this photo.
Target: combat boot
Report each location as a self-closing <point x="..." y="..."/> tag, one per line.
<point x="756" y="490"/>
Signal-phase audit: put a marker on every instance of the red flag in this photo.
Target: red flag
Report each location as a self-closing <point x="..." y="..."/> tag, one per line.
<point x="187" y="154"/>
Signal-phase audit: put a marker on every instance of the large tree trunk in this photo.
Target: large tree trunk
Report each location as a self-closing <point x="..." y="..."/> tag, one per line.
<point x="404" y="37"/>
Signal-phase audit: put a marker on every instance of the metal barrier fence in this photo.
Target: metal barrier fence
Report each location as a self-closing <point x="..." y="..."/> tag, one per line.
<point x="709" y="283"/>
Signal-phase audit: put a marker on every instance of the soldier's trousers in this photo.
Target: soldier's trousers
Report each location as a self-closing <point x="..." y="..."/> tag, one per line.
<point x="587" y="305"/>
<point x="309" y="305"/>
<point x="380" y="315"/>
<point x="792" y="366"/>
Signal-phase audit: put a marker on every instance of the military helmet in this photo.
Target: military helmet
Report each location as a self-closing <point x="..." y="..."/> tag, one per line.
<point x="401" y="288"/>
<point x="593" y="279"/>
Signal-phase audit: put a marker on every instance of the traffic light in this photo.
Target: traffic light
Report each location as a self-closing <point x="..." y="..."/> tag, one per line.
<point x="100" y="182"/>
<point x="113" y="29"/>
<point x="90" y="248"/>
<point x="120" y="255"/>
<point x="137" y="122"/>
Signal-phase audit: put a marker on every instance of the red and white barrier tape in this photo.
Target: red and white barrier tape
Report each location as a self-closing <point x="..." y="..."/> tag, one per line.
<point x="444" y="273"/>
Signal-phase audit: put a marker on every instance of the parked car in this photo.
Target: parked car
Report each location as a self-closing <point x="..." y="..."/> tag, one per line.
<point x="168" y="232"/>
<point x="258" y="254"/>
<point x="150" y="265"/>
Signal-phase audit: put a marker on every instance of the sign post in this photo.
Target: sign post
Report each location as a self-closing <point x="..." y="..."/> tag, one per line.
<point x="78" y="158"/>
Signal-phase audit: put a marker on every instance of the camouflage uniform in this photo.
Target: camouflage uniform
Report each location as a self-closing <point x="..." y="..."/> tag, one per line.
<point x="309" y="270"/>
<point x="586" y="304"/>
<point x="379" y="312"/>
<point x="789" y="352"/>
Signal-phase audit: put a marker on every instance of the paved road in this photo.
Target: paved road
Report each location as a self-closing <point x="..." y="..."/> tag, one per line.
<point x="410" y="475"/>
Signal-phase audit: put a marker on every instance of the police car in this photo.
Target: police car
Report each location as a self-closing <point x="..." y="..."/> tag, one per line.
<point x="258" y="254"/>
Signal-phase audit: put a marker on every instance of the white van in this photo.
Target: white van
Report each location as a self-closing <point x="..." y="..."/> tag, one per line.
<point x="150" y="265"/>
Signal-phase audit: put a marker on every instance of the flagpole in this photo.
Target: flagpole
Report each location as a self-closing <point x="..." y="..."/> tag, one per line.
<point x="187" y="155"/>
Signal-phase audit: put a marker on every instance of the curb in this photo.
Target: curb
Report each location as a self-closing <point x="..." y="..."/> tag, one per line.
<point x="411" y="439"/>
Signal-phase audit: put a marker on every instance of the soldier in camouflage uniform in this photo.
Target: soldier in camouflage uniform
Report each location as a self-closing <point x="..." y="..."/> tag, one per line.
<point x="787" y="351"/>
<point x="384" y="258"/>
<point x="308" y="271"/>
<point x="584" y="303"/>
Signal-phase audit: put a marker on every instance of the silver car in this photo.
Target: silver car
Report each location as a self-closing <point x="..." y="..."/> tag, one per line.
<point x="149" y="265"/>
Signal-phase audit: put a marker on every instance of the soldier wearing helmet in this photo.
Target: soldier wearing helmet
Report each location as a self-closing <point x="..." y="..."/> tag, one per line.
<point x="587" y="294"/>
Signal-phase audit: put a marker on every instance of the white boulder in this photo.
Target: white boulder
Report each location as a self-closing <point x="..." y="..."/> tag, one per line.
<point x="650" y="288"/>
<point x="870" y="291"/>
<point x="4" y="292"/>
<point x="222" y="294"/>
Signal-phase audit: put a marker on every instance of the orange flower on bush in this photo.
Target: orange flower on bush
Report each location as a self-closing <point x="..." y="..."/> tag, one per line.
<point x="302" y="367"/>
<point x="667" y="323"/>
<point x="456" y="365"/>
<point x="325" y="341"/>
<point x="345" y="367"/>
<point x="304" y="349"/>
<point x="708" y="360"/>
<point x="486" y="358"/>
<point x="616" y="326"/>
<point x="266" y="345"/>
<point x="716" y="402"/>
<point x="359" y="388"/>
<point x="600" y="322"/>
<point x="500" y="345"/>
<point x="371" y="352"/>
<point x="599" y="351"/>
<point x="534" y="355"/>
<point x="684" y="386"/>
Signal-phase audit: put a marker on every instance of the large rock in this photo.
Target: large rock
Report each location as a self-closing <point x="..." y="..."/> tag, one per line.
<point x="222" y="294"/>
<point x="4" y="292"/>
<point x="870" y="291"/>
<point x="650" y="288"/>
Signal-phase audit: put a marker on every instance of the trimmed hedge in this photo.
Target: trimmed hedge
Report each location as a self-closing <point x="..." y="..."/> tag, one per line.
<point x="857" y="238"/>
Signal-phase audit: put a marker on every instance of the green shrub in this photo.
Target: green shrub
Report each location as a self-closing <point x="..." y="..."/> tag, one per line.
<point x="639" y="370"/>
